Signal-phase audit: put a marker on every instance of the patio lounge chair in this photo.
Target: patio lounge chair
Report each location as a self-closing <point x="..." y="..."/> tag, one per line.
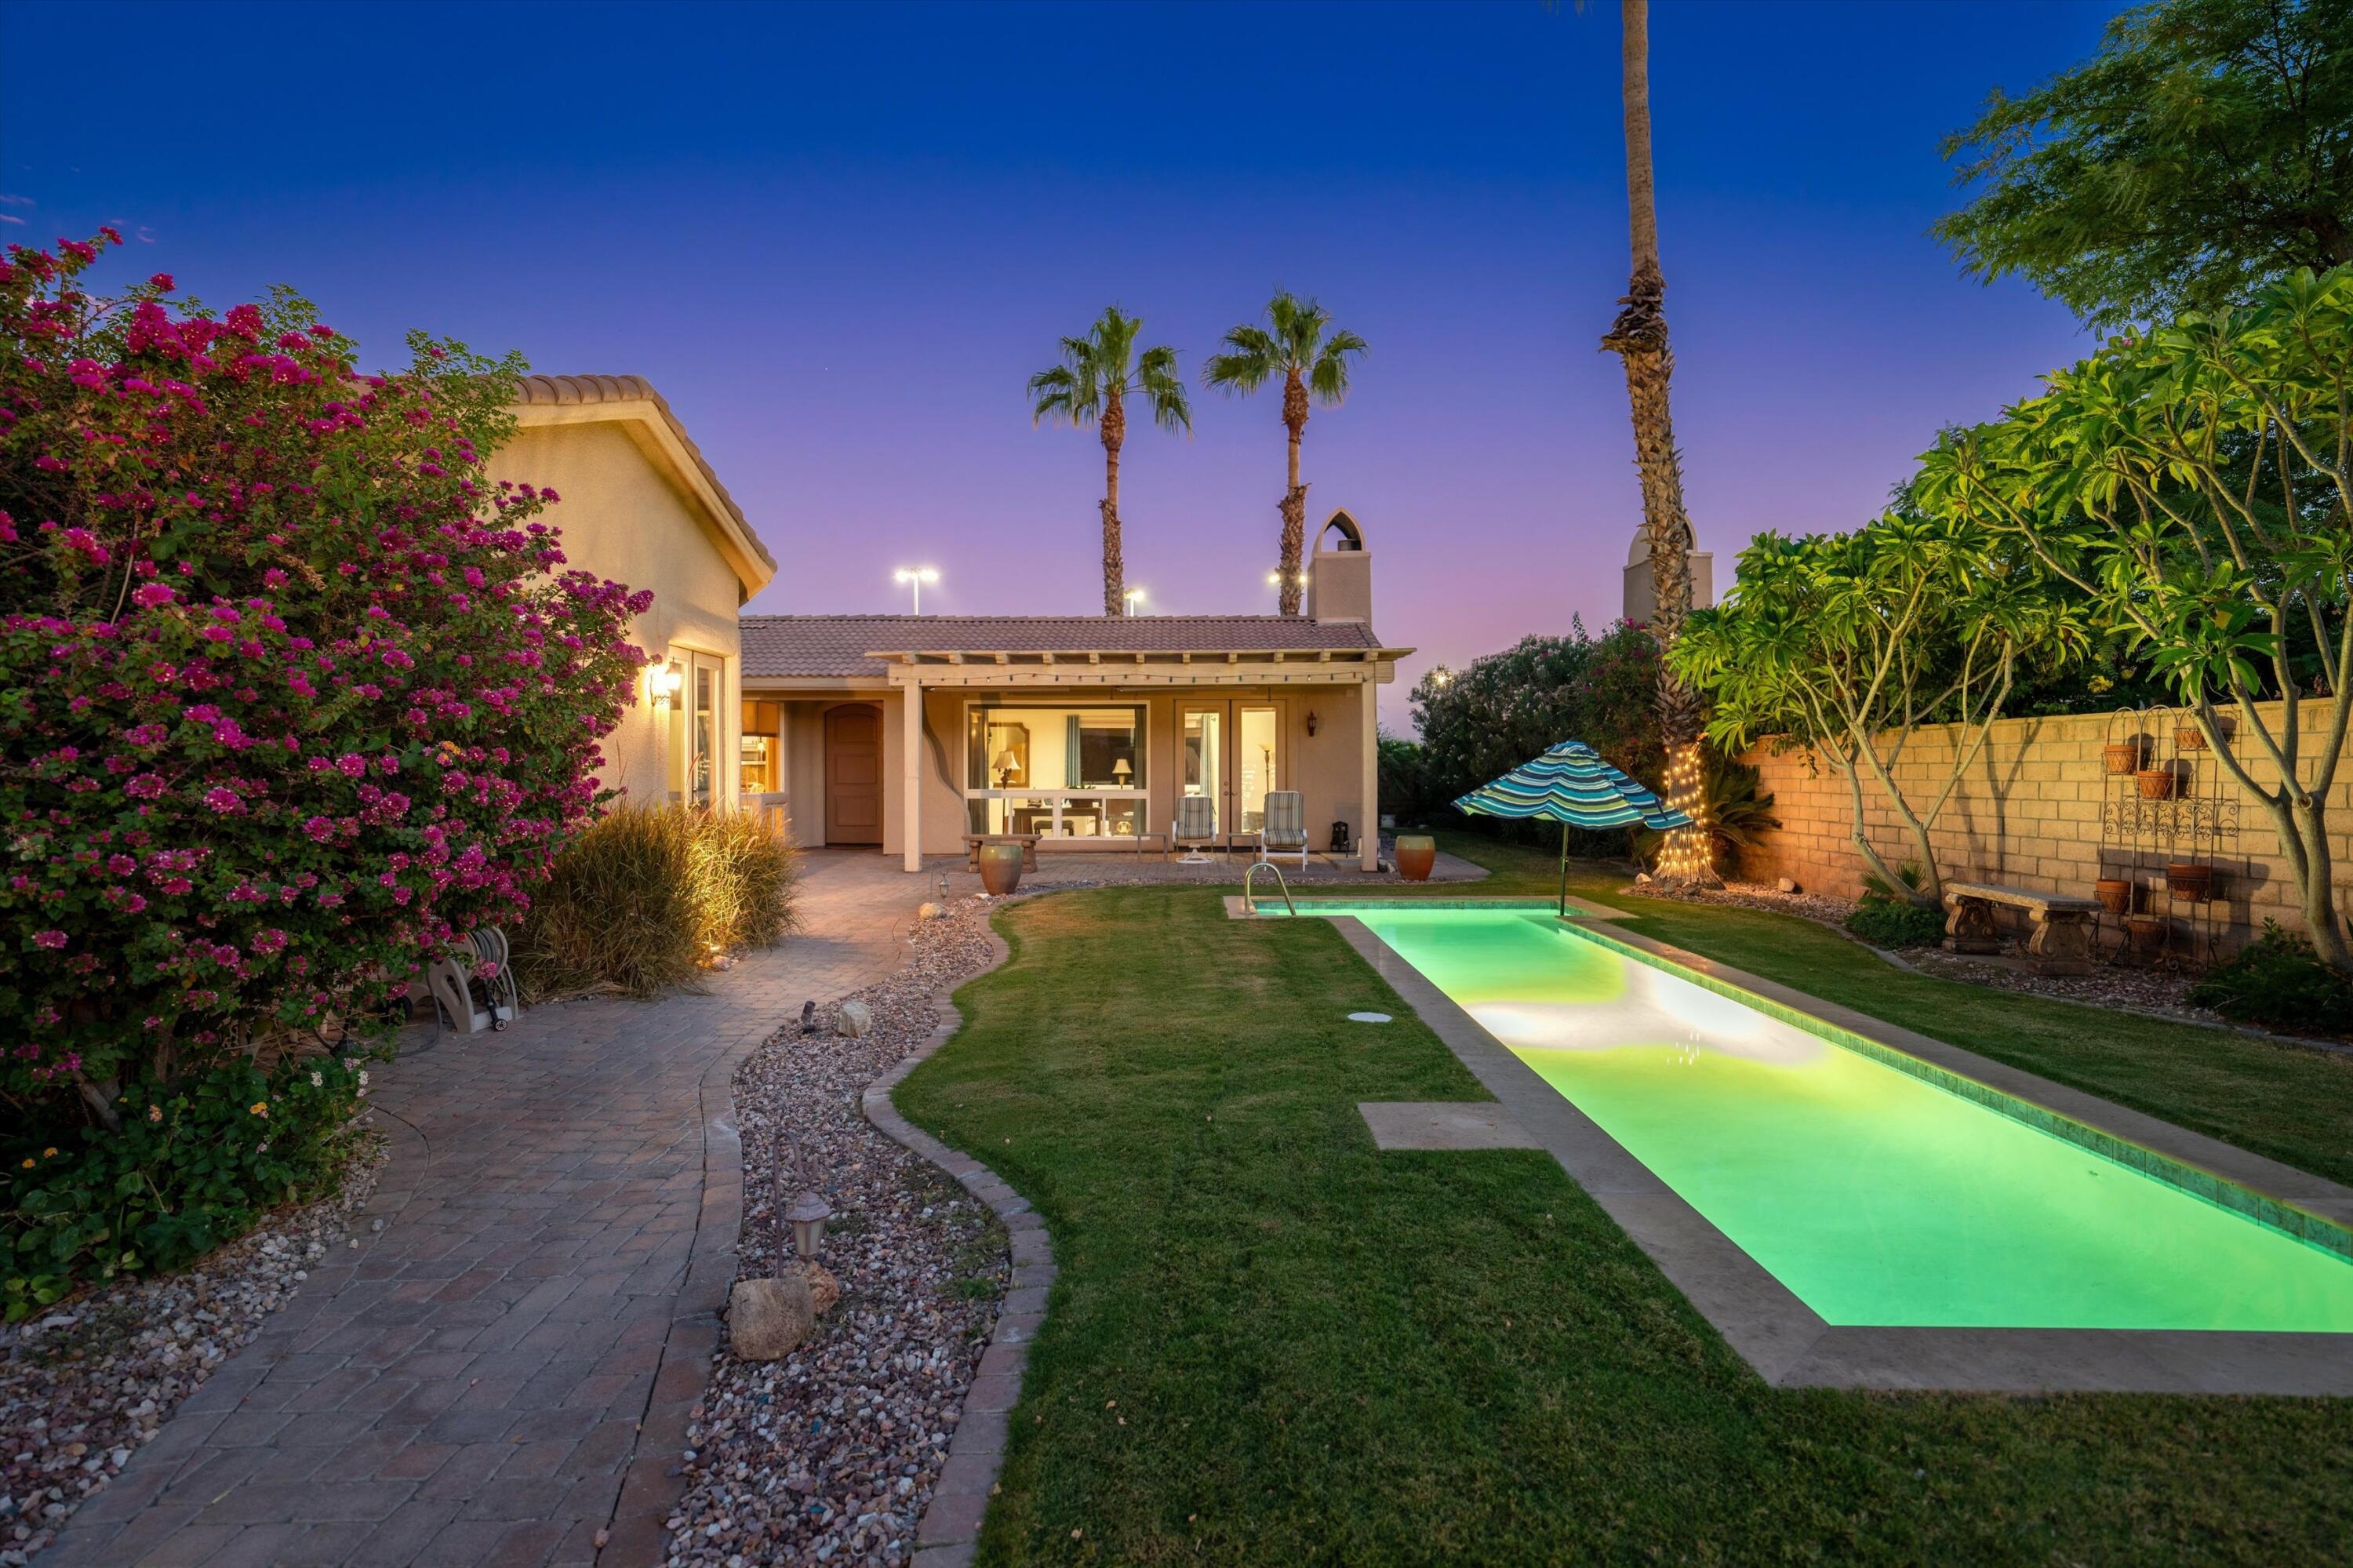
<point x="1194" y="829"/>
<point x="1285" y="829"/>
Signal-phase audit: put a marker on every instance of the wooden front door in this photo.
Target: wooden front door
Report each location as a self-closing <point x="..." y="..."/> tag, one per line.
<point x="853" y="774"/>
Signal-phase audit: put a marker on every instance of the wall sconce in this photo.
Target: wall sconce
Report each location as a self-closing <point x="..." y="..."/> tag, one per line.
<point x="1311" y="723"/>
<point x="663" y="682"/>
<point x="807" y="1214"/>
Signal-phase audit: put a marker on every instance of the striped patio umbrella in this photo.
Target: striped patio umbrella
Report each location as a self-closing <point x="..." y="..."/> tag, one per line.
<point x="1571" y="785"/>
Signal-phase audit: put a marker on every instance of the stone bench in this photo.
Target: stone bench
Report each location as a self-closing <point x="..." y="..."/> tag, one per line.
<point x="1029" y="842"/>
<point x="2062" y="942"/>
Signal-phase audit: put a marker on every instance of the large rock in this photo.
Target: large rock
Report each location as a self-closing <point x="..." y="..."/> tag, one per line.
<point x="856" y="1018"/>
<point x="823" y="1288"/>
<point x="767" y="1317"/>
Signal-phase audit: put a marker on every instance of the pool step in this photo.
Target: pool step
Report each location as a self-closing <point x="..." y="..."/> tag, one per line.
<point x="1443" y="1124"/>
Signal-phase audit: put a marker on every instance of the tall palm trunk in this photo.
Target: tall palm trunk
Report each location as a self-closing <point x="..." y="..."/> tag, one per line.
<point x="1639" y="336"/>
<point x="1295" y="494"/>
<point x="1114" y="426"/>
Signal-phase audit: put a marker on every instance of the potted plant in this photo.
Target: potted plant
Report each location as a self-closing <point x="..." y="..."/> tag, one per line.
<point x="1417" y="855"/>
<point x="2115" y="894"/>
<point x="1000" y="868"/>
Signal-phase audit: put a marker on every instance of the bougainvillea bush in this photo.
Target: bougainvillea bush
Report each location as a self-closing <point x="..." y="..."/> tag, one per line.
<point x="291" y="693"/>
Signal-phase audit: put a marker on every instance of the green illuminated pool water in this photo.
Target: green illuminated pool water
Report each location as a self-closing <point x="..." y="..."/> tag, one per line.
<point x="1875" y="1196"/>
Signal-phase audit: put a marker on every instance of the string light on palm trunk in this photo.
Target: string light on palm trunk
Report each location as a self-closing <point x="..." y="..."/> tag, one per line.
<point x="1689" y="853"/>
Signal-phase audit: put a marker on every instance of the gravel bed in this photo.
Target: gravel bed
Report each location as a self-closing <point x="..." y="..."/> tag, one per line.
<point x="831" y="1454"/>
<point x="2155" y="990"/>
<point x="85" y="1384"/>
<point x="1818" y="906"/>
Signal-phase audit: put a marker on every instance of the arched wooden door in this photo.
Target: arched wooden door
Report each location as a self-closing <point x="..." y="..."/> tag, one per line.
<point x="853" y="774"/>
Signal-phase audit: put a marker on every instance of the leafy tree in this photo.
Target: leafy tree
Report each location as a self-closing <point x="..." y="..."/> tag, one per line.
<point x="2206" y="150"/>
<point x="2197" y="483"/>
<point x="1639" y="337"/>
<point x="1097" y="373"/>
<point x="1481" y="721"/>
<point x="1847" y="644"/>
<point x="1294" y="344"/>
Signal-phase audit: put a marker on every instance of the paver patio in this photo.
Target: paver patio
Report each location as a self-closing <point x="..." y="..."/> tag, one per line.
<point x="505" y="1370"/>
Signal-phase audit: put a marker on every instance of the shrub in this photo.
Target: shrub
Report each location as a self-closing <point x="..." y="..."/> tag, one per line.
<point x="1481" y="722"/>
<point x="290" y="695"/>
<point x="1891" y="922"/>
<point x="2278" y="980"/>
<point x="647" y="895"/>
<point x="189" y="1171"/>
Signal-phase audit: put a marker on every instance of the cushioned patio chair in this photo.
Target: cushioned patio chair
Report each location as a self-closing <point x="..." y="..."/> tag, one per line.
<point x="1285" y="829"/>
<point x="1194" y="829"/>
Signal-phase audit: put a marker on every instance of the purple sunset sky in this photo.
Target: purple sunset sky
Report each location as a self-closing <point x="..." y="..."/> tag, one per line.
<point x="839" y="239"/>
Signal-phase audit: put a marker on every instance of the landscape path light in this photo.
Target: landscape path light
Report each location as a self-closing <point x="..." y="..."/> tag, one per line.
<point x="807" y="1214"/>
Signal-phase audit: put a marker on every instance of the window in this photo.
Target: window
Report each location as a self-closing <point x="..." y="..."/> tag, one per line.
<point x="1063" y="772"/>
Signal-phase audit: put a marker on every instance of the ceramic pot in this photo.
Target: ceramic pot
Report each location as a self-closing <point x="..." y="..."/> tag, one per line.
<point x="2188" y="737"/>
<point x="1416" y="854"/>
<point x="2157" y="783"/>
<point x="2121" y="759"/>
<point x="2114" y="895"/>
<point x="2147" y="932"/>
<point x="1000" y="868"/>
<point x="2191" y="883"/>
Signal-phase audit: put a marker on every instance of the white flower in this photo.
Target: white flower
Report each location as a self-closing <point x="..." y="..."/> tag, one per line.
<point x="318" y="1080"/>
<point x="363" y="1080"/>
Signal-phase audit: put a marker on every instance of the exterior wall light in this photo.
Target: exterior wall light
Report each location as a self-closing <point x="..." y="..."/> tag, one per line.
<point x="1311" y="723"/>
<point x="663" y="682"/>
<point x="807" y="1214"/>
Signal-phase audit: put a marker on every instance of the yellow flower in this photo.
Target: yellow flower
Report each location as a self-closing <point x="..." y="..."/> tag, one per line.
<point x="48" y="1154"/>
<point x="29" y="1165"/>
<point x="259" y="1107"/>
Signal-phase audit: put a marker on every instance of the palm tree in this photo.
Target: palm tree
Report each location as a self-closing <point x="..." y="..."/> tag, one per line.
<point x="1639" y="336"/>
<point x="1092" y="386"/>
<point x="1292" y="344"/>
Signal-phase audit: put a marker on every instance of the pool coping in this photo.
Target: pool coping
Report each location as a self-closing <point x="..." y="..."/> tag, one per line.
<point x="1787" y="1341"/>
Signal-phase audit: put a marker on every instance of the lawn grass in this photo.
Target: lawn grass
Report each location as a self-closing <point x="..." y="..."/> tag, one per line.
<point x="2292" y="1104"/>
<point x="1271" y="1344"/>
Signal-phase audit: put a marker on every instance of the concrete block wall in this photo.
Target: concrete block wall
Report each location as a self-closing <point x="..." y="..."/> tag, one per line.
<point x="2029" y="812"/>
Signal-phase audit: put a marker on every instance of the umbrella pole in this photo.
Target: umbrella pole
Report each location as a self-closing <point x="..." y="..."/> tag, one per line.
<point x="1564" y="871"/>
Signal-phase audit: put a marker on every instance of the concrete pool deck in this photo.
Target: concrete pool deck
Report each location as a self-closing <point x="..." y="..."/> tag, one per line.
<point x="1787" y="1341"/>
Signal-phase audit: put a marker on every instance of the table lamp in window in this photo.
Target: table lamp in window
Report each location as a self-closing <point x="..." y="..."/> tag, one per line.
<point x="1120" y="772"/>
<point x="1006" y="765"/>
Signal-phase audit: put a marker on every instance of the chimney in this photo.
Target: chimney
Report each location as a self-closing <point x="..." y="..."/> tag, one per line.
<point x="1642" y="601"/>
<point x="1340" y="574"/>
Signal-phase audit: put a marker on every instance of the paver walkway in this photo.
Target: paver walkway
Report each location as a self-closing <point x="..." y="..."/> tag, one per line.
<point x="505" y="1369"/>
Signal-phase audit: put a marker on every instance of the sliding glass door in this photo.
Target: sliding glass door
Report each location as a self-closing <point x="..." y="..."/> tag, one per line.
<point x="1231" y="751"/>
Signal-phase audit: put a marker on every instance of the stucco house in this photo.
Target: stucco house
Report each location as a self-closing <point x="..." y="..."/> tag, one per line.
<point x="907" y="732"/>
<point x="640" y="505"/>
<point x="904" y="733"/>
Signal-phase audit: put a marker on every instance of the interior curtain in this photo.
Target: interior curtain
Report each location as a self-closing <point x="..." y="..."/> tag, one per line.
<point x="1071" y="755"/>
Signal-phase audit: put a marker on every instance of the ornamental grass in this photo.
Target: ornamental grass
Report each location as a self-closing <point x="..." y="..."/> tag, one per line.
<point x="649" y="897"/>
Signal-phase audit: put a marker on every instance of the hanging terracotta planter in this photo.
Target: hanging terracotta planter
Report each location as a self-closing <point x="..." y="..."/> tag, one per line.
<point x="2115" y="894"/>
<point x="2122" y="757"/>
<point x="2147" y="932"/>
<point x="2190" y="883"/>
<point x="1416" y="856"/>
<point x="1000" y="868"/>
<point x="2188" y="737"/>
<point x="2157" y="783"/>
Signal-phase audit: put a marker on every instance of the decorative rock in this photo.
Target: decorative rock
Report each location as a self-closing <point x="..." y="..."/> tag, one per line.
<point x="767" y="1317"/>
<point x="823" y="1288"/>
<point x="929" y="911"/>
<point x="855" y="1020"/>
<point x="1788" y="884"/>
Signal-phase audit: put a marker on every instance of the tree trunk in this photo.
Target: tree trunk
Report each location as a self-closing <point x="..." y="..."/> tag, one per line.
<point x="1114" y="433"/>
<point x="1639" y="337"/>
<point x="1295" y="494"/>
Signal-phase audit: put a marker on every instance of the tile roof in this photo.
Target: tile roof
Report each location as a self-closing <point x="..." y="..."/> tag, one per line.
<point x="561" y="391"/>
<point x="785" y="645"/>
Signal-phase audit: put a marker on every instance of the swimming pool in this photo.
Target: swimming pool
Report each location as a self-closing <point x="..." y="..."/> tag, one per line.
<point x="1875" y="1194"/>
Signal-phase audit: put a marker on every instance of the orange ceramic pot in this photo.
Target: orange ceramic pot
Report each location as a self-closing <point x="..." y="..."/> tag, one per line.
<point x="1416" y="856"/>
<point x="2115" y="894"/>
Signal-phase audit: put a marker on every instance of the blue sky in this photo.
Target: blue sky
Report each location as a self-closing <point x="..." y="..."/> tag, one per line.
<point x="840" y="238"/>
